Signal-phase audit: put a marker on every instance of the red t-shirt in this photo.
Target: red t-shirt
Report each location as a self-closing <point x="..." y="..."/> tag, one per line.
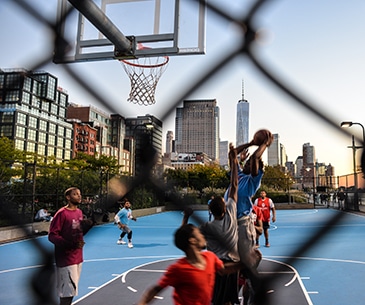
<point x="265" y="205"/>
<point x="192" y="286"/>
<point x="65" y="233"/>
<point x="258" y="213"/>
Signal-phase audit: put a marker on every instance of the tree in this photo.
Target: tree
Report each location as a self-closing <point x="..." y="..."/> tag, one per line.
<point x="275" y="178"/>
<point x="198" y="177"/>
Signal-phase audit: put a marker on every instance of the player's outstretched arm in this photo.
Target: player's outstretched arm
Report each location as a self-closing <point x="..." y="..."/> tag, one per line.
<point x="149" y="294"/>
<point x="187" y="213"/>
<point x="233" y="163"/>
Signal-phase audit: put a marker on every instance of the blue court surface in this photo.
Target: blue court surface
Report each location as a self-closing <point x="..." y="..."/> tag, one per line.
<point x="330" y="271"/>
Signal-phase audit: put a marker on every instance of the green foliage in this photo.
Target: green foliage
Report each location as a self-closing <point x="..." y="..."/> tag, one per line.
<point x="143" y="197"/>
<point x="198" y="177"/>
<point x="274" y="178"/>
<point x="8" y="156"/>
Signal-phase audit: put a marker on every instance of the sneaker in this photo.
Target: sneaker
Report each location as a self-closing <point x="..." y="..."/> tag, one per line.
<point x="267" y="245"/>
<point x="121" y="242"/>
<point x="130" y="245"/>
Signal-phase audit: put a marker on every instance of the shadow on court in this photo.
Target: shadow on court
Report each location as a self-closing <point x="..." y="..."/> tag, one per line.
<point x="127" y="288"/>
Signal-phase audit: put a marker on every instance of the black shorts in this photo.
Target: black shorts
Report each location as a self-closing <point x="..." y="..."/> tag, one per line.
<point x="266" y="225"/>
<point x="226" y="289"/>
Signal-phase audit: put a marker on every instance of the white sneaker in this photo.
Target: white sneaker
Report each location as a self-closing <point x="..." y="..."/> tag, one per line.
<point x="130" y="245"/>
<point x="121" y="242"/>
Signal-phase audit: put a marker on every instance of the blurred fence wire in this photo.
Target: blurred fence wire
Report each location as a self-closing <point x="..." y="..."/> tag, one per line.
<point x="249" y="36"/>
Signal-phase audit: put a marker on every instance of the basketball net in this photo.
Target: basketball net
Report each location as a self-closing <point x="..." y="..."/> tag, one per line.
<point x="144" y="74"/>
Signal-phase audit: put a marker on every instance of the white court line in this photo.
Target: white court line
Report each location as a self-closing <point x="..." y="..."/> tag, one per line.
<point x="122" y="276"/>
<point x="149" y="270"/>
<point x="295" y="276"/>
<point x="321" y="259"/>
<point x="132" y="289"/>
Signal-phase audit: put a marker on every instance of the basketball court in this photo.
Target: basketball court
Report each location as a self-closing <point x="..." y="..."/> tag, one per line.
<point x="330" y="272"/>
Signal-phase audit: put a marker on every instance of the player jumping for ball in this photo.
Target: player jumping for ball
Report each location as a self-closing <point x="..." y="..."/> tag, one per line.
<point x="249" y="181"/>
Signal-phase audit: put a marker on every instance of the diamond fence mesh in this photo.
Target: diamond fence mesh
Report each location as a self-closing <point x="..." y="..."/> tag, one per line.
<point x="20" y="209"/>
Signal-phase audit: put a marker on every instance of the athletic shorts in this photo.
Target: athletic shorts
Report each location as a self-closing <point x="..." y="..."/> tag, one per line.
<point x="266" y="225"/>
<point x="68" y="280"/>
<point x="246" y="241"/>
<point x="126" y="229"/>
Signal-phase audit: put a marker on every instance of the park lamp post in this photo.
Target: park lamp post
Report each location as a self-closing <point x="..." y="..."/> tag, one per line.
<point x="346" y="124"/>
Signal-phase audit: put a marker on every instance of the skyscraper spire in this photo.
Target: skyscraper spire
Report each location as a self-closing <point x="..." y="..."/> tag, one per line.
<point x="243" y="90"/>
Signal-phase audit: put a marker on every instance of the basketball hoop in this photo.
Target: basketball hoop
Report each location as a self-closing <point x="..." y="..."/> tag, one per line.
<point x="144" y="74"/>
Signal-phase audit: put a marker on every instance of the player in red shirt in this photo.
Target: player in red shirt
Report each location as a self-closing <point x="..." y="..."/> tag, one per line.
<point x="257" y="219"/>
<point x="267" y="206"/>
<point x="67" y="232"/>
<point x="192" y="276"/>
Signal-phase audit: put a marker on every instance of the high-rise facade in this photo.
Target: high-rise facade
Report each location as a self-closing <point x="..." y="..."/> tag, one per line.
<point x="32" y="113"/>
<point x="197" y="128"/>
<point x="223" y="153"/>
<point x="242" y="122"/>
<point x="273" y="151"/>
<point x="139" y="131"/>
<point x="169" y="142"/>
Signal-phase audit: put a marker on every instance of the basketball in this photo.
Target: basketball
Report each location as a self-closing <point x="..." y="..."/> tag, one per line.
<point x="262" y="136"/>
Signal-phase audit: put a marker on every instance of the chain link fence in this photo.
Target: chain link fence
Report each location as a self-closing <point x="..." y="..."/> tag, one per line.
<point x="13" y="205"/>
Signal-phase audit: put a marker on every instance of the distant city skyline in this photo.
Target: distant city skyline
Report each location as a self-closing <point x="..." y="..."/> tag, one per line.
<point x="327" y="74"/>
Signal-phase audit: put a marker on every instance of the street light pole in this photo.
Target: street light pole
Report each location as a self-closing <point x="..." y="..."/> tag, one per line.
<point x="349" y="124"/>
<point x="354" y="147"/>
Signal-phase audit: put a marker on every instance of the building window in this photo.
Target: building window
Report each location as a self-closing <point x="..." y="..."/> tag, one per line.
<point x="61" y="131"/>
<point x="68" y="133"/>
<point x="54" y="109"/>
<point x="30" y="147"/>
<point x="22" y="119"/>
<point x="62" y="99"/>
<point x="6" y="131"/>
<point x="52" y="128"/>
<point x="27" y="84"/>
<point x="19" y="144"/>
<point x="26" y="98"/>
<point x="60" y="142"/>
<point x="32" y="134"/>
<point x="43" y="125"/>
<point x="42" y="137"/>
<point x="68" y="144"/>
<point x="51" y="140"/>
<point x="50" y="151"/>
<point x="20" y="132"/>
<point x="59" y="154"/>
<point x="45" y="106"/>
<point x="67" y="155"/>
<point x="32" y="122"/>
<point x="51" y="88"/>
<point x="41" y="149"/>
<point x="62" y="112"/>
<point x="13" y="81"/>
<point x="12" y="96"/>
<point x="8" y="117"/>
<point x="36" y="88"/>
<point x="36" y="102"/>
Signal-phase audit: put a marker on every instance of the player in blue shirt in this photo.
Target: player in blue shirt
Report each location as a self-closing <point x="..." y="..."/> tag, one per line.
<point x="122" y="220"/>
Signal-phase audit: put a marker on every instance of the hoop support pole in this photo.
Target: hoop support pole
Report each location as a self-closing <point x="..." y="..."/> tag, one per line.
<point x="96" y="16"/>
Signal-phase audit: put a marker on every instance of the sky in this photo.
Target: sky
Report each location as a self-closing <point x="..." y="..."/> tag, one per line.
<point x="316" y="47"/>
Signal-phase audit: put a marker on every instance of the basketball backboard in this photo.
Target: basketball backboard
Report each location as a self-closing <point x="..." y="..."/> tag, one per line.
<point x="100" y="29"/>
